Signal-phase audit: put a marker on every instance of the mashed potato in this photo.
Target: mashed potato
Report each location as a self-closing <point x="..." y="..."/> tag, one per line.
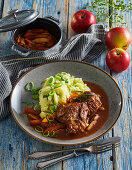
<point x="57" y="90"/>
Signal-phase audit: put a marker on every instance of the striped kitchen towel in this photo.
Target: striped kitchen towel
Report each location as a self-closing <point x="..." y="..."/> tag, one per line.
<point x="84" y="47"/>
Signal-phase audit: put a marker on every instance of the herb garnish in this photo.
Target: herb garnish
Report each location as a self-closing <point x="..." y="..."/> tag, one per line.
<point x="37" y="106"/>
<point x="28" y="103"/>
<point x="49" y="120"/>
<point x="49" y="134"/>
<point x="109" y="10"/>
<point x="29" y="86"/>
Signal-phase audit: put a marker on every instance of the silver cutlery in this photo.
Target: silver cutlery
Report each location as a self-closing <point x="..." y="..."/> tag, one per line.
<point x="102" y="142"/>
<point x="96" y="148"/>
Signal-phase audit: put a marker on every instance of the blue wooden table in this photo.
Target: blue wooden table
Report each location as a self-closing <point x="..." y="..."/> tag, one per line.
<point x="16" y="144"/>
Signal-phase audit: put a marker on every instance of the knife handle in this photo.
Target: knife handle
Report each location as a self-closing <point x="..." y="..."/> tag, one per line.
<point x="45" y="164"/>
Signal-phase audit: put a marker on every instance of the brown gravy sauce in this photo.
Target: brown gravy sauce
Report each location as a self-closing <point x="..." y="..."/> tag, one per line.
<point x="103" y="115"/>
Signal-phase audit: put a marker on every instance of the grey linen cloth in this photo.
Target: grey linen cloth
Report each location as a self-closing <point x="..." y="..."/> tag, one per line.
<point x="84" y="47"/>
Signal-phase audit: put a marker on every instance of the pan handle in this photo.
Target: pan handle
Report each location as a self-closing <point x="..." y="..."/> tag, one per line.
<point x="24" y="54"/>
<point x="54" y="20"/>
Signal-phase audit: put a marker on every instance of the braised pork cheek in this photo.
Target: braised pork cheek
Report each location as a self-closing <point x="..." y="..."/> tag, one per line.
<point x="77" y="114"/>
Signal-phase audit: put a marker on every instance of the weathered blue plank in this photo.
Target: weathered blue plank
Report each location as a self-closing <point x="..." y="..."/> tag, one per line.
<point x="123" y="127"/>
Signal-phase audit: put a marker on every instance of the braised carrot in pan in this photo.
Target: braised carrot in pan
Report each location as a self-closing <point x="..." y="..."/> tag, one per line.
<point x="36" y="39"/>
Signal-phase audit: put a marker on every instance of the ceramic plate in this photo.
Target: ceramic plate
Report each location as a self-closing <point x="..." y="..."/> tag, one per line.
<point x="84" y="70"/>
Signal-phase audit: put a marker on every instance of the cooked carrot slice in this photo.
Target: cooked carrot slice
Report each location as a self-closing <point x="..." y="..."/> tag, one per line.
<point x="35" y="122"/>
<point x="41" y="35"/>
<point x="32" y="116"/>
<point x="44" y="120"/>
<point x="40" y="40"/>
<point x="19" y="39"/>
<point x="29" y="41"/>
<point x="22" y="41"/>
<point x="28" y="34"/>
<point x="29" y="110"/>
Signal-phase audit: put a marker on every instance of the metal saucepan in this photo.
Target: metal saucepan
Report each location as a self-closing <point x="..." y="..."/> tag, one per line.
<point x="49" y="23"/>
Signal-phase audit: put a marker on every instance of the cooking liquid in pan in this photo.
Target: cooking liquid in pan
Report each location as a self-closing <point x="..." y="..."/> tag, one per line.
<point x="36" y="39"/>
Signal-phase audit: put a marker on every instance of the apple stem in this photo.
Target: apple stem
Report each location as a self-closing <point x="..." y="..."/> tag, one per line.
<point x="118" y="53"/>
<point x="83" y="15"/>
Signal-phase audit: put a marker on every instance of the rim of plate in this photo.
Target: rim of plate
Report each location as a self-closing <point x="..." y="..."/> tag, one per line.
<point x="60" y="143"/>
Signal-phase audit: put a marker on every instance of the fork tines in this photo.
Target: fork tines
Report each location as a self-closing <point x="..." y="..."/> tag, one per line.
<point x="105" y="148"/>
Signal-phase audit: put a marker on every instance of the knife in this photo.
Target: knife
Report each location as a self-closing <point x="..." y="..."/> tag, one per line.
<point x="45" y="164"/>
<point x="43" y="154"/>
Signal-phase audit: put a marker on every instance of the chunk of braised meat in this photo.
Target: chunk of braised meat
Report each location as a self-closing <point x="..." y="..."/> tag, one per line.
<point x="76" y="115"/>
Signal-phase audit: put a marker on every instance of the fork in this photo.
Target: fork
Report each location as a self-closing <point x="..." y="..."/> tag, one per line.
<point x="94" y="149"/>
<point x="43" y="154"/>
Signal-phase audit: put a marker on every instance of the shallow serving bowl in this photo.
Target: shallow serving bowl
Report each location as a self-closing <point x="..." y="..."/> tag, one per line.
<point x="83" y="70"/>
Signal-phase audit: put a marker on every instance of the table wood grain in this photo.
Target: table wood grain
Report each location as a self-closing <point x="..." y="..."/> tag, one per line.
<point x="16" y="144"/>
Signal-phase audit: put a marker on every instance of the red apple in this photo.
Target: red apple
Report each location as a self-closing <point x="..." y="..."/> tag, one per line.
<point x="82" y="20"/>
<point x="117" y="60"/>
<point x="118" y="38"/>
